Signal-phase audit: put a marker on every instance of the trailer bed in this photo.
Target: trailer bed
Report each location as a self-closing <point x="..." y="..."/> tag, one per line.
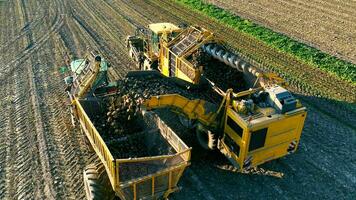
<point x="144" y="163"/>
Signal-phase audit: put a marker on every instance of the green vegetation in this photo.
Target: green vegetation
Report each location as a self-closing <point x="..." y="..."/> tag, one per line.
<point x="312" y="56"/>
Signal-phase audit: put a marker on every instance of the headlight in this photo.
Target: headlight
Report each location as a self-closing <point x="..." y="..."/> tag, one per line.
<point x="292" y="146"/>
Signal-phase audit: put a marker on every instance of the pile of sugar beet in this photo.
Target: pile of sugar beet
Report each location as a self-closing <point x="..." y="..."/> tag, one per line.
<point x="120" y="113"/>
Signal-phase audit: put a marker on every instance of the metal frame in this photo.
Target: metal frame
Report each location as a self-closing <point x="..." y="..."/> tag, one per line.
<point x="112" y="165"/>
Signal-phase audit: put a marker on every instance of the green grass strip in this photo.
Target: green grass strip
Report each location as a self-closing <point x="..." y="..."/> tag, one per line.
<point x="314" y="57"/>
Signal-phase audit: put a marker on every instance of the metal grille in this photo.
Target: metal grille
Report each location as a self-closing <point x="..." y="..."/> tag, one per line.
<point x="150" y="178"/>
<point x="187" y="41"/>
<point x="172" y="64"/>
<point x="187" y="70"/>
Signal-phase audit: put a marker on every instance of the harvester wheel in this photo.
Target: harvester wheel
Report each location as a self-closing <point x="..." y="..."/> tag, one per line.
<point x="206" y="138"/>
<point x="97" y="184"/>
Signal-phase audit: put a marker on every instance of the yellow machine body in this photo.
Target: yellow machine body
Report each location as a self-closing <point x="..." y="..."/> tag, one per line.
<point x="248" y="143"/>
<point x="164" y="180"/>
<point x="246" y="140"/>
<point x="170" y="46"/>
<point x="163" y="28"/>
<point x="158" y="34"/>
<point x="173" y="55"/>
<point x="248" y="136"/>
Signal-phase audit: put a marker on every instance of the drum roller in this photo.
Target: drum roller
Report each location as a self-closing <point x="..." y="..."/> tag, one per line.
<point x="229" y="58"/>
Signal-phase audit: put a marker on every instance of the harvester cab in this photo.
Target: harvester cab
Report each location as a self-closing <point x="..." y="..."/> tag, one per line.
<point x="144" y="47"/>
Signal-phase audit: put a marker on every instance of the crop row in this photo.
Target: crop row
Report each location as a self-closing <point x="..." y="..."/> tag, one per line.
<point x="279" y="42"/>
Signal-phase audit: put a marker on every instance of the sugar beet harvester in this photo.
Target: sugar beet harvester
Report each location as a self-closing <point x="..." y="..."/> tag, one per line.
<point x="260" y="122"/>
<point x="147" y="172"/>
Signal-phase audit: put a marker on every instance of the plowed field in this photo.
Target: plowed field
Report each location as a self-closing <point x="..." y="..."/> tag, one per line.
<point x="326" y="24"/>
<point x="42" y="157"/>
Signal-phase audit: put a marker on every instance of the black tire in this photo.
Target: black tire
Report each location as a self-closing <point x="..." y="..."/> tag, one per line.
<point x="97" y="184"/>
<point x="206" y="138"/>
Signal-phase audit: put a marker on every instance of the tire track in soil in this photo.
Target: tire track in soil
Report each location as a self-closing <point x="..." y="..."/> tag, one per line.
<point x="27" y="163"/>
<point x="20" y="159"/>
<point x="7" y="110"/>
<point x="36" y="22"/>
<point x="10" y="28"/>
<point x="65" y="150"/>
<point x="23" y="180"/>
<point x="6" y="130"/>
<point x="31" y="46"/>
<point x="62" y="145"/>
<point x="120" y="62"/>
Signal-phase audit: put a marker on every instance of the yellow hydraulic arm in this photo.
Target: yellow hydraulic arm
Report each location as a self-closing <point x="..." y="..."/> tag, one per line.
<point x="205" y="112"/>
<point x="198" y="109"/>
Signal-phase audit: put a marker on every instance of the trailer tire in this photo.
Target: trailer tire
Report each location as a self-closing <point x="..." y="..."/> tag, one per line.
<point x="206" y="138"/>
<point x="97" y="184"/>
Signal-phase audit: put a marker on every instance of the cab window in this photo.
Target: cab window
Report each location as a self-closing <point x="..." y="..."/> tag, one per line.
<point x="155" y="42"/>
<point x="234" y="126"/>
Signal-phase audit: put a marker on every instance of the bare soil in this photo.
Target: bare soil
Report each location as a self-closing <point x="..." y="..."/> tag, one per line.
<point x="326" y="24"/>
<point x="42" y="156"/>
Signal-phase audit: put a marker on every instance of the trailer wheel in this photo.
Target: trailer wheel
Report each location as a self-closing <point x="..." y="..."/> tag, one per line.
<point x="96" y="183"/>
<point x="206" y="138"/>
